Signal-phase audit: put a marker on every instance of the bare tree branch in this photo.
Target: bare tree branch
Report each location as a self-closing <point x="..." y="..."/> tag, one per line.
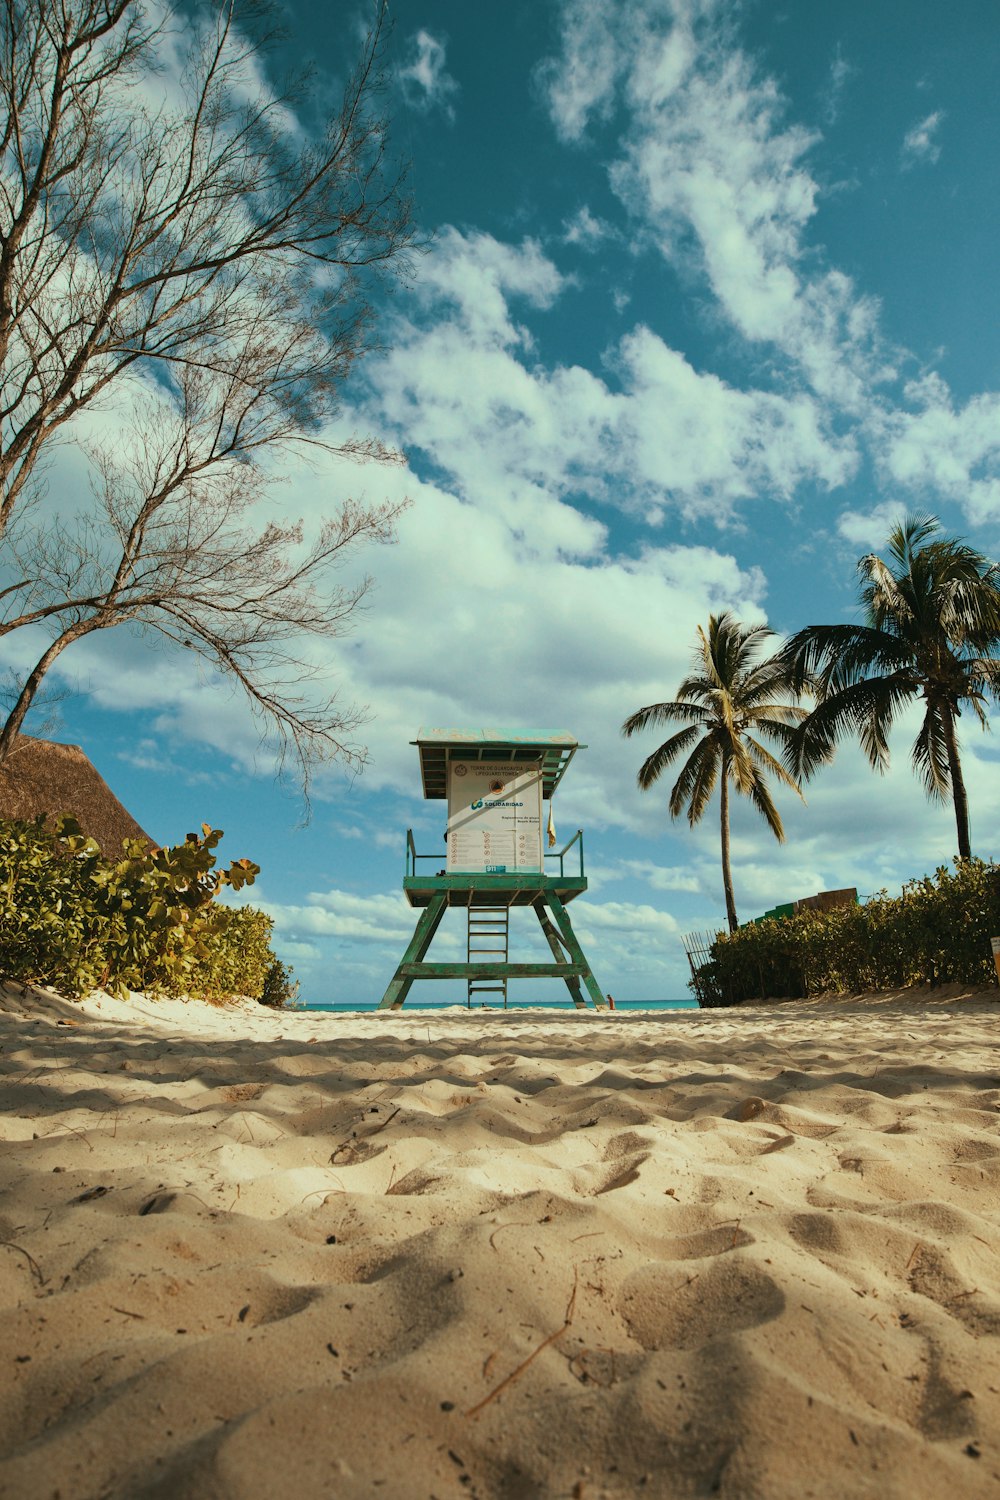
<point x="174" y="246"/>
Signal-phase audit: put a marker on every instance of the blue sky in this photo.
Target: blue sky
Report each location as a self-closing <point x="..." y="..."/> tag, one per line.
<point x="709" y="300"/>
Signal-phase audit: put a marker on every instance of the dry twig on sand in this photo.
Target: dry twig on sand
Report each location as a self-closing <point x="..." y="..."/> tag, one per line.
<point x="515" y="1374"/>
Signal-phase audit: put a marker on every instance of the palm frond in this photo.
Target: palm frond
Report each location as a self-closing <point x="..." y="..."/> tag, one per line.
<point x="765" y="761"/>
<point x="699" y="687"/>
<point x="825" y="658"/>
<point x="698" y="771"/>
<point x="983" y="675"/>
<point x="727" y="649"/>
<point x="883" y="595"/>
<point x="781" y="730"/>
<point x="867" y="653"/>
<point x="907" y="535"/>
<point x="664" y="713"/>
<point x="812" y="745"/>
<point x="968" y="600"/>
<point x="866" y="709"/>
<point x="706" y="774"/>
<point x="769" y="680"/>
<point x="654" y="765"/>
<point x="760" y="797"/>
<point x="873" y="707"/>
<point x="975" y="691"/>
<point x="741" y="766"/>
<point x="930" y="757"/>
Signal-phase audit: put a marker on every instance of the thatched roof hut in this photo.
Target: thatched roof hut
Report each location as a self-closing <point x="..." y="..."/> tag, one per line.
<point x="40" y="776"/>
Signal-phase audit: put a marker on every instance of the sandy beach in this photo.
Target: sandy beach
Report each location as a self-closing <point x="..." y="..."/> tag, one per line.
<point x="746" y="1253"/>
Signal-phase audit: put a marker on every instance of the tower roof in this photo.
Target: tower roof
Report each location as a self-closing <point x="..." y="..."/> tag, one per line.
<point x="554" y="749"/>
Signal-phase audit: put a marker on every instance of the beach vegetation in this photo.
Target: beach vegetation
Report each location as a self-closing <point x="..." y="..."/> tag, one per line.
<point x="727" y="704"/>
<point x="73" y="919"/>
<point x="937" y="931"/>
<point x="930" y="632"/>
<point x="187" y="274"/>
<point x="280" y="990"/>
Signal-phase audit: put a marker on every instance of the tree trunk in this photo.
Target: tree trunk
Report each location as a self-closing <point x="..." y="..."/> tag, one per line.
<point x="727" y="874"/>
<point x="12" y="728"/>
<point x="958" y="792"/>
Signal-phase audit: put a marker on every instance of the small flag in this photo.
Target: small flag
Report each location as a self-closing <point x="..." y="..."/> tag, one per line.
<point x="551" y="829"/>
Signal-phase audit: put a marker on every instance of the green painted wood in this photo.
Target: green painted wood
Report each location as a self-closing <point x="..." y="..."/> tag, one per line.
<point x="569" y="961"/>
<point x="427" y="924"/>
<point x="511" y="889"/>
<point x="554" y="942"/>
<point x="574" y="950"/>
<point x="515" y="880"/>
<point x="484" y="970"/>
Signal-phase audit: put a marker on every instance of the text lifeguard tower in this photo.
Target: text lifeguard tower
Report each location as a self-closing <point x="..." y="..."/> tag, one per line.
<point x="495" y="782"/>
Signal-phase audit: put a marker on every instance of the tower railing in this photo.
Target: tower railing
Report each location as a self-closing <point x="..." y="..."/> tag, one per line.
<point x="560" y="854"/>
<point x="554" y="854"/>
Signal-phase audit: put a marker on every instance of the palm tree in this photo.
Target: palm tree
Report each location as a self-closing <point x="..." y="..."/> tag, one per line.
<point x="729" y="699"/>
<point x="931" y="630"/>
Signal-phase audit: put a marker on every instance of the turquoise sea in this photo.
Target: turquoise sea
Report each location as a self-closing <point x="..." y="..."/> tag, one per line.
<point x="515" y="1005"/>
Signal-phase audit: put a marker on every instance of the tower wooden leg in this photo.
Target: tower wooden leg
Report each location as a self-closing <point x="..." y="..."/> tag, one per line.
<point x="555" y="943"/>
<point x="576" y="953"/>
<point x="427" y="926"/>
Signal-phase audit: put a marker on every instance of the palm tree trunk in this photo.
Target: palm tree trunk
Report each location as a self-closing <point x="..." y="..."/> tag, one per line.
<point x="958" y="792"/>
<point x="727" y="874"/>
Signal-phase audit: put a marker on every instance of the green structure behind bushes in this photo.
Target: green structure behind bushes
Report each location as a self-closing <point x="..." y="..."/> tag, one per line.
<point x="936" y="932"/>
<point x="77" y="921"/>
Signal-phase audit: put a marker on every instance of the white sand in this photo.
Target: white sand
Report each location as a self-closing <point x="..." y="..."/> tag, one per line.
<point x="744" y="1253"/>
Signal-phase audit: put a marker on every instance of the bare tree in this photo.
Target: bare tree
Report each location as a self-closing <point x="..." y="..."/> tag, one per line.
<point x="176" y="252"/>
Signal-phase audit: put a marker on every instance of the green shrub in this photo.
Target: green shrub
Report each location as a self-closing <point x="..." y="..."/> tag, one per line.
<point x="149" y="921"/>
<point x="280" y="989"/>
<point x="936" y="932"/>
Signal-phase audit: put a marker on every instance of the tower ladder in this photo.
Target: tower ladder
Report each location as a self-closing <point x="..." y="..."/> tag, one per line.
<point x="488" y="938"/>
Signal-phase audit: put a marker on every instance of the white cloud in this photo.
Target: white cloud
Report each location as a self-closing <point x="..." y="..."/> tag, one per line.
<point x="345" y="915"/>
<point x="663" y="877"/>
<point x="478" y="275"/>
<point x="868" y="529"/>
<point x="581" y="83"/>
<point x="712" y="168"/>
<point x="920" y="142"/>
<point x="300" y="953"/>
<point x="841" y="72"/>
<point x="945" y="450"/>
<point x="709" y="444"/>
<point x="709" y="164"/>
<point x="424" y="76"/>
<point x="586" y="230"/>
<point x="627" y="918"/>
<point x="151" y="755"/>
<point x="459" y="383"/>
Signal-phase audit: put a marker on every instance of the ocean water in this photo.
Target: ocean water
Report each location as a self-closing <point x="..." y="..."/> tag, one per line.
<point x="511" y="1005"/>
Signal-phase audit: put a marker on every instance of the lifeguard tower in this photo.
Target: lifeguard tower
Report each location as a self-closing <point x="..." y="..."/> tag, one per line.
<point x="495" y="782"/>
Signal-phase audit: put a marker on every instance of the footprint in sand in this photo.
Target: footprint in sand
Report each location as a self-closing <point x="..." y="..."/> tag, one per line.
<point x="945" y="1410"/>
<point x="626" y="1153"/>
<point x="272" y="1302"/>
<point x="673" y="1306"/>
<point x="932" y="1274"/>
<point x="706" y="1243"/>
<point x="818" y="1233"/>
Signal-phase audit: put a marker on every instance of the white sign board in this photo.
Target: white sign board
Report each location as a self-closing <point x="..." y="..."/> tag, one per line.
<point x="494" y="816"/>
